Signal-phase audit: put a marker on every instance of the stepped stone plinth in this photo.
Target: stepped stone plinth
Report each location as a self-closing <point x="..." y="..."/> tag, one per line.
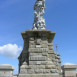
<point x="38" y="57"/>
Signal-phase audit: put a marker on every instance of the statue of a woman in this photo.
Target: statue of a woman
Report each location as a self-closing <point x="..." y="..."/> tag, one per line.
<point x="39" y="21"/>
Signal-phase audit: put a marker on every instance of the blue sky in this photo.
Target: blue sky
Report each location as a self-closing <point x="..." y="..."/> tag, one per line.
<point x="17" y="16"/>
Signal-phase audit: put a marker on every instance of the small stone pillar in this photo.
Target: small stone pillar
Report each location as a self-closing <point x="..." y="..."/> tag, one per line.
<point x="6" y="70"/>
<point x="69" y="70"/>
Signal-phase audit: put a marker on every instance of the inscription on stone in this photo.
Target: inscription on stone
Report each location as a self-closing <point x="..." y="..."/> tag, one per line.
<point x="40" y="58"/>
<point x="38" y="50"/>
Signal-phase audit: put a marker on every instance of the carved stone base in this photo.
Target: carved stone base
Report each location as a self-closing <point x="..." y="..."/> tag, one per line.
<point x="38" y="56"/>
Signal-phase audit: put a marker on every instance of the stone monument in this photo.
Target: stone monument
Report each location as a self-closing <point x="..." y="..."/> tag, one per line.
<point x="38" y="58"/>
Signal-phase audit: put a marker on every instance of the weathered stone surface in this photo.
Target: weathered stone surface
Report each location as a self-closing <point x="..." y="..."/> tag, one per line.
<point x="38" y="70"/>
<point x="32" y="62"/>
<point x="39" y="66"/>
<point x="37" y="58"/>
<point x="38" y="62"/>
<point x="6" y="70"/>
<point x="46" y="71"/>
<point x="36" y="50"/>
<point x="47" y="63"/>
<point x="39" y="75"/>
<point x="70" y="66"/>
<point x="44" y="62"/>
<point x="44" y="41"/>
<point x="26" y="66"/>
<point x="50" y="44"/>
<point x="49" y="66"/>
<point x="50" y="47"/>
<point x="51" y="52"/>
<point x="53" y="71"/>
<point x="69" y="70"/>
<point x="38" y="41"/>
<point x="30" y="71"/>
<point x="31" y="38"/>
<point x="44" y="53"/>
<point x="44" y="46"/>
<point x="38" y="46"/>
<point x="35" y="54"/>
<point x="6" y="66"/>
<point x="23" y="71"/>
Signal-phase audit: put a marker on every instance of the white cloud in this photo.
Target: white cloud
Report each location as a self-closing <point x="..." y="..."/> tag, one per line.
<point x="10" y="50"/>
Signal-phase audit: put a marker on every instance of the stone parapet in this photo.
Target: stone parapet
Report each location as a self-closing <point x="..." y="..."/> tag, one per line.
<point x="6" y="70"/>
<point x="69" y="70"/>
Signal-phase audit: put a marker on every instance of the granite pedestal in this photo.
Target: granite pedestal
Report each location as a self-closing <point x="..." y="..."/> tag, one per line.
<point x="38" y="57"/>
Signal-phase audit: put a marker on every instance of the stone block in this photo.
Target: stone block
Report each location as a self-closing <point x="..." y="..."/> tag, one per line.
<point x="50" y="44"/>
<point x="38" y="41"/>
<point x="51" y="51"/>
<point x="37" y="58"/>
<point x="53" y="70"/>
<point x="32" y="46"/>
<point x="38" y="62"/>
<point x="23" y="71"/>
<point x="44" y="53"/>
<point x="46" y="70"/>
<point x="47" y="63"/>
<point x="38" y="70"/>
<point x="49" y="66"/>
<point x="22" y="67"/>
<point x="38" y="66"/>
<point x="35" y="54"/>
<point x="32" y="62"/>
<point x="44" y="42"/>
<point x="38" y="46"/>
<point x="31" y="38"/>
<point x="31" y="42"/>
<point x="30" y="71"/>
<point x="70" y="66"/>
<point x="69" y="70"/>
<point x="26" y="67"/>
<point x="24" y="63"/>
<point x="51" y="56"/>
<point x="70" y="73"/>
<point x="41" y="67"/>
<point x="44" y="46"/>
<point x="50" y="47"/>
<point x="50" y="63"/>
<point x="38" y="50"/>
